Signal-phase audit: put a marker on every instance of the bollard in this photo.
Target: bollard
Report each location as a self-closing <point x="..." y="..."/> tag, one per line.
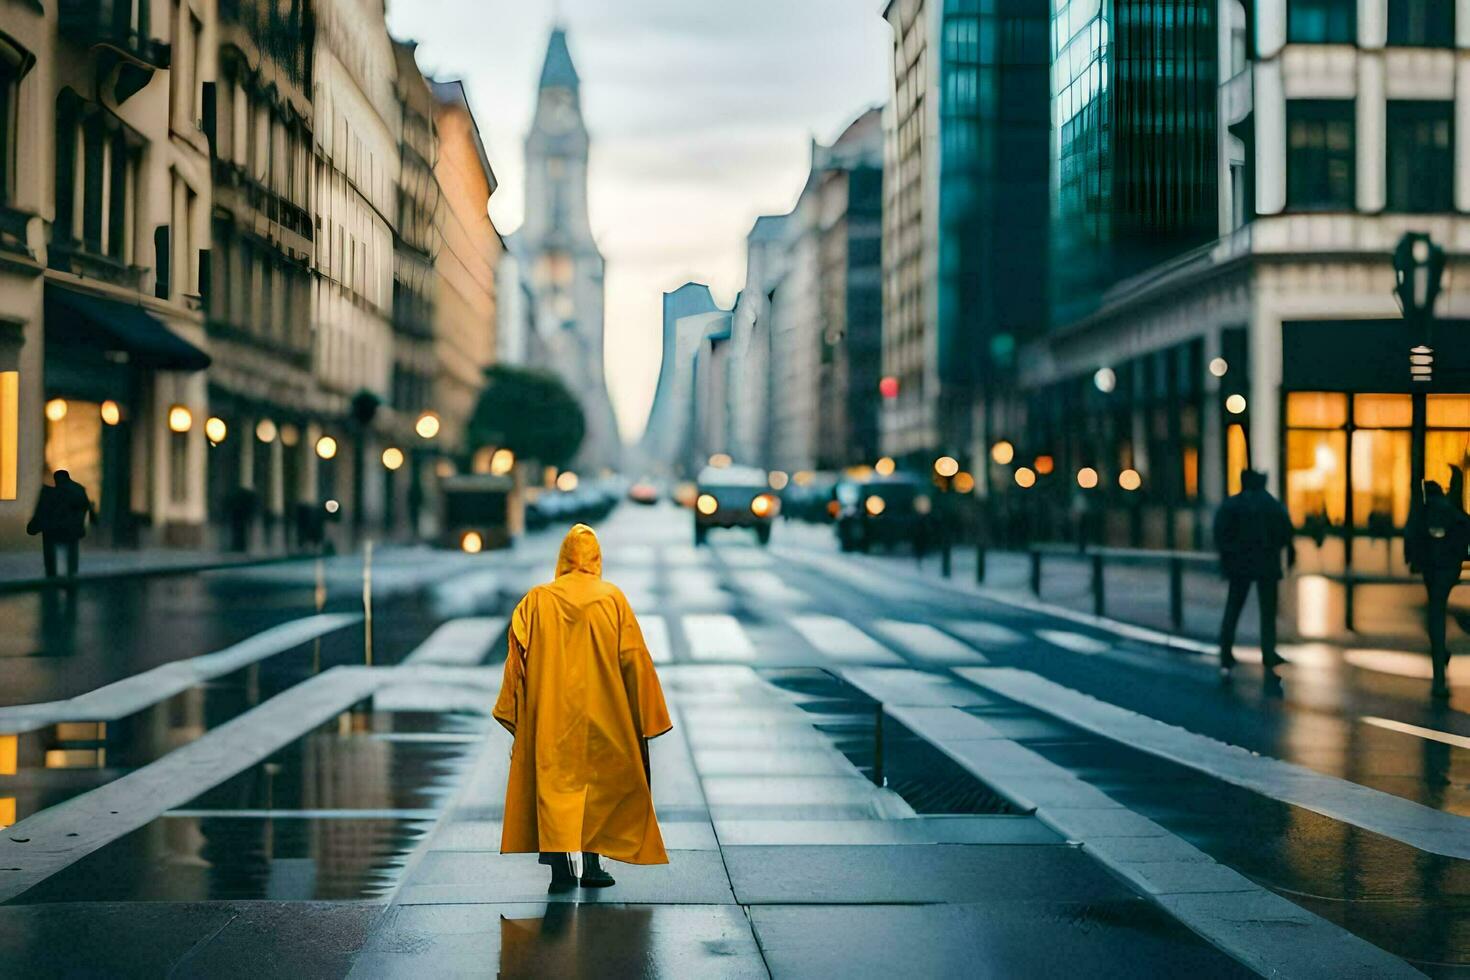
<point x="944" y="559"/>
<point x="878" y="777"/>
<point x="1036" y="573"/>
<point x="1097" y="585"/>
<point x="980" y="564"/>
<point x="1176" y="593"/>
<point x="319" y="596"/>
<point x="367" y="603"/>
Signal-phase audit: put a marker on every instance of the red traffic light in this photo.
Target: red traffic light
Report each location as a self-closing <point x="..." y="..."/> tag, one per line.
<point x="888" y="387"/>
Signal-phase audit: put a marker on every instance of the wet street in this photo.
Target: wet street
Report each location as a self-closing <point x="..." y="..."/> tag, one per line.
<point x="873" y="772"/>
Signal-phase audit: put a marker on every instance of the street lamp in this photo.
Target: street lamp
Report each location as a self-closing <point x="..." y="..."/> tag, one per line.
<point x="1418" y="270"/>
<point x="427" y="426"/>
<point x="180" y="419"/>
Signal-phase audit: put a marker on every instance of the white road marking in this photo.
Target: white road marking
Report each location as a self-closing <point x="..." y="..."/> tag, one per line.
<point x="717" y="636"/>
<point x="460" y="642"/>
<point x="923" y="640"/>
<point x="1425" y="828"/>
<point x="1076" y="642"/>
<point x="1405" y="664"/>
<point x="769" y="587"/>
<point x="983" y="633"/>
<point x="840" y="640"/>
<point x="745" y="557"/>
<point x="1433" y="734"/>
<point x="684" y="554"/>
<point x="656" y="635"/>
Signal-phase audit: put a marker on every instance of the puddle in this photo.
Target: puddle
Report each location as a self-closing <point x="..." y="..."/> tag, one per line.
<point x="332" y="816"/>
<point x="926" y="778"/>
<point x="1413" y="904"/>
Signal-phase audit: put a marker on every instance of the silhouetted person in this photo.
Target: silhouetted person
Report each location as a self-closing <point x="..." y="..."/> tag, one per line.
<point x="1251" y="531"/>
<point x="1435" y="544"/>
<point x="60" y="518"/>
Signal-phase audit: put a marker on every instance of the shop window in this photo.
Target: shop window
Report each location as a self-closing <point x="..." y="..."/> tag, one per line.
<point x="1380" y="477"/>
<point x="1422" y="23"/>
<point x="1443" y="449"/>
<point x="1421" y="156"/>
<point x="1316" y="410"/>
<point x="9" y="432"/>
<point x="1316" y="476"/>
<point x="1383" y="411"/>
<point x="74" y="441"/>
<point x="1320" y="164"/>
<point x="1448" y="411"/>
<point x="1237" y="457"/>
<point x="1322" y="21"/>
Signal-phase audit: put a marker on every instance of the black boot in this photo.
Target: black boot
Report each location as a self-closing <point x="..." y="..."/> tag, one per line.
<point x="562" y="879"/>
<point x="592" y="874"/>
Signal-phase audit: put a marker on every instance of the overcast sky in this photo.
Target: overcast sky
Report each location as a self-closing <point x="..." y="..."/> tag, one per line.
<point x="701" y="113"/>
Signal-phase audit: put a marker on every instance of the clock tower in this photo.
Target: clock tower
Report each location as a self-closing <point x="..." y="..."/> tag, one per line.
<point x="563" y="262"/>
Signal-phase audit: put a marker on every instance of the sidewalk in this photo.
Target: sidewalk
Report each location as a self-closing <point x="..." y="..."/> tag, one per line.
<point x="23" y="570"/>
<point x="1388" y="616"/>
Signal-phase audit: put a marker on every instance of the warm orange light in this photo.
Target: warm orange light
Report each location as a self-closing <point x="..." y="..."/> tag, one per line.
<point x="392" y="458"/>
<point x="1003" y="452"/>
<point x="567" y="481"/>
<point x="1045" y="464"/>
<point x="1025" y="478"/>
<point x="875" y="505"/>
<point x="964" y="482"/>
<point x="110" y="412"/>
<point x="885" y="466"/>
<point x="326" y="447"/>
<point x="265" y="431"/>
<point x="804" y="478"/>
<point x="778" y="480"/>
<point x="1087" y="478"/>
<point x="215" y="429"/>
<point x="707" y="504"/>
<point x="332" y="506"/>
<point x="427" y="426"/>
<point x="1130" y="480"/>
<point x="946" y="466"/>
<point x="720" y="460"/>
<point x="502" y="462"/>
<point x="1235" y="404"/>
<point x="290" y="435"/>
<point x="180" y="419"/>
<point x="471" y="543"/>
<point x="56" y="409"/>
<point x="7" y="811"/>
<point x="9" y="754"/>
<point x="764" y="505"/>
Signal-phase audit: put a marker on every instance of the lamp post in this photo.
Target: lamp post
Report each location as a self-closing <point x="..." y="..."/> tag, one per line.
<point x="945" y="468"/>
<point x="427" y="429"/>
<point x="1418" y="268"/>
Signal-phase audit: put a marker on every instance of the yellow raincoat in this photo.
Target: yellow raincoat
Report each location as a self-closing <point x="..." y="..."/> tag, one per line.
<point x="580" y="695"/>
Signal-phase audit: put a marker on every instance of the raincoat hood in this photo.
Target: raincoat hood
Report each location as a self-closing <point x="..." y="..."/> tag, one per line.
<point x="580" y="552"/>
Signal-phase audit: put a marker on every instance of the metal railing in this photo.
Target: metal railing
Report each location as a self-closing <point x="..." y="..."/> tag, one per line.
<point x="1174" y="562"/>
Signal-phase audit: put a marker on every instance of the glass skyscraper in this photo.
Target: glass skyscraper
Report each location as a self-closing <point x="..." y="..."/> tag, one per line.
<point x="1133" y="86"/>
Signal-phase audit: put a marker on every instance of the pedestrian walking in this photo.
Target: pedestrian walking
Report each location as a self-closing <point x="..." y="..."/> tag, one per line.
<point x="60" y="518"/>
<point x="1251" y="531"/>
<point x="1435" y="544"/>
<point x="581" y="700"/>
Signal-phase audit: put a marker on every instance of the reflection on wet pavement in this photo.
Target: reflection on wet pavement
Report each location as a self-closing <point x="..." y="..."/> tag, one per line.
<point x="333" y="816"/>
<point x="1413" y="904"/>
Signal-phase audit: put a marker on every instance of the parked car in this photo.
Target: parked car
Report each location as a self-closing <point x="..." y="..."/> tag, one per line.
<point x="734" y="496"/>
<point x="884" y="510"/>
<point x="810" y="499"/>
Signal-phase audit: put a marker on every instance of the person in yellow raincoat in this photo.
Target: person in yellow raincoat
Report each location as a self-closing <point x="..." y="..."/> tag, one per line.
<point x="581" y="699"/>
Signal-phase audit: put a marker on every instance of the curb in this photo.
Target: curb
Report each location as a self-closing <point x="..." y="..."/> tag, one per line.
<point x="12" y="586"/>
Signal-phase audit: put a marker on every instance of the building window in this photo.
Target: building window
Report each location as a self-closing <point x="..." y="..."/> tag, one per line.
<point x="1322" y="21"/>
<point x="9" y="432"/>
<point x="1421" y="156"/>
<point x="15" y="61"/>
<point x="1422" y="23"/>
<point x="1320" y="155"/>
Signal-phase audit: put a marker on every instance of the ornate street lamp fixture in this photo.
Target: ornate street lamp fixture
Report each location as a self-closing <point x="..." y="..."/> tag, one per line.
<point x="1418" y="270"/>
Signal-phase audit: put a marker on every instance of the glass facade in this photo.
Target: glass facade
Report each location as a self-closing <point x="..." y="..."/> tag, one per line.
<point x="1421" y="156"/>
<point x="1321" y="155"/>
<point x="1133" y="87"/>
<point x="1321" y="21"/>
<point x="993" y="185"/>
<point x="1421" y="23"/>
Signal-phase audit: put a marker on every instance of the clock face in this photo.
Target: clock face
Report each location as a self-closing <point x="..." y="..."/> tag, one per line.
<point x="561" y="114"/>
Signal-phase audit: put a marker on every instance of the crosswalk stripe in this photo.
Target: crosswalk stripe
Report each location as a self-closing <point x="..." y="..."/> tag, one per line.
<point x="769" y="586"/>
<point x="925" y="641"/>
<point x="717" y="636"/>
<point x="460" y="642"/>
<point x="1076" y="642"/>
<point x="840" y="640"/>
<point x="656" y="635"/>
<point x="983" y="633"/>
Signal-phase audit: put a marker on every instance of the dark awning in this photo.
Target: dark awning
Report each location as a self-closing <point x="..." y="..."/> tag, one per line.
<point x="83" y="320"/>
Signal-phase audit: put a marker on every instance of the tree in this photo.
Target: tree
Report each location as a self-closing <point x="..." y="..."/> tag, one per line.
<point x="529" y="412"/>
